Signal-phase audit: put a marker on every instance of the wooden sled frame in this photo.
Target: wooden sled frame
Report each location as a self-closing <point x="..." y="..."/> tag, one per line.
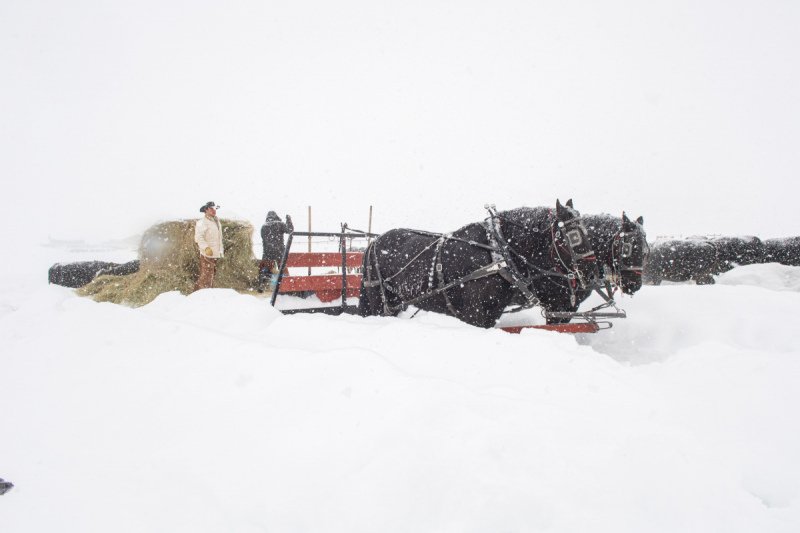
<point x="328" y="287"/>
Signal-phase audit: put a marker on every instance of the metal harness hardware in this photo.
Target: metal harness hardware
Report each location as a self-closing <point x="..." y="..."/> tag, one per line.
<point x="502" y="264"/>
<point x="509" y="270"/>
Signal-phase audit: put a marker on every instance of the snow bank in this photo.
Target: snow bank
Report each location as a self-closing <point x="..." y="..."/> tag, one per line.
<point x="662" y="321"/>
<point x="771" y="276"/>
<point x="214" y="412"/>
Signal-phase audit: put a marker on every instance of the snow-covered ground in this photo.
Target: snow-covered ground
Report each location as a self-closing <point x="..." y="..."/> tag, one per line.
<point x="214" y="412"/>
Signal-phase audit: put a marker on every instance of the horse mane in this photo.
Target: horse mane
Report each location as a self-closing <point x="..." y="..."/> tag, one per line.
<point x="526" y="223"/>
<point x="602" y="230"/>
<point x="528" y="216"/>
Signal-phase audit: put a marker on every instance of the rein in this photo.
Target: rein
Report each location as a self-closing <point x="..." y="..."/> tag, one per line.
<point x="502" y="264"/>
<point x="559" y="245"/>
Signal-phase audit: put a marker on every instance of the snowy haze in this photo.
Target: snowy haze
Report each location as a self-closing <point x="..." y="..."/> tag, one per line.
<point x="214" y="412"/>
<point x="116" y="114"/>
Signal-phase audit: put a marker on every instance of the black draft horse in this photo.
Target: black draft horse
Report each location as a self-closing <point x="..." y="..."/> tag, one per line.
<point x="620" y="246"/>
<point x="475" y="272"/>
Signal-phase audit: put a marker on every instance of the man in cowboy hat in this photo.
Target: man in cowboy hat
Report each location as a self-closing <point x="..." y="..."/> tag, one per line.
<point x="208" y="236"/>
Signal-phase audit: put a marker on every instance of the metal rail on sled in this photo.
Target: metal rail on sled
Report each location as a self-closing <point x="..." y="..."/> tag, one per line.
<point x="340" y="286"/>
<point x="327" y="287"/>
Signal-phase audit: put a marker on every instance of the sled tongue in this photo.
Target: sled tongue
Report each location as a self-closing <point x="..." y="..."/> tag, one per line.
<point x="578" y="327"/>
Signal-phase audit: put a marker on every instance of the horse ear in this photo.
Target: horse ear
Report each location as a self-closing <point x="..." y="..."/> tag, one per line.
<point x="569" y="204"/>
<point x="640" y="220"/>
<point x="560" y="210"/>
<point x="625" y="219"/>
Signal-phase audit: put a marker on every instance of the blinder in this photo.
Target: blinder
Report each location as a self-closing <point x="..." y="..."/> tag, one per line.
<point x="577" y="239"/>
<point x="625" y="256"/>
<point x="574" y="238"/>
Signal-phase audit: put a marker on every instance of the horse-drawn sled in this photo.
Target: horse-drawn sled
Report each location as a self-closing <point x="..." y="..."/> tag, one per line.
<point x="512" y="261"/>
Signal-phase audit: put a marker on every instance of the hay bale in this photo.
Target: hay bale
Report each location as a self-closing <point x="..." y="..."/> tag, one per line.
<point x="169" y="261"/>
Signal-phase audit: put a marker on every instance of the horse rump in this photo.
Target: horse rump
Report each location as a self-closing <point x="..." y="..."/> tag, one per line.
<point x="369" y="297"/>
<point x="395" y="270"/>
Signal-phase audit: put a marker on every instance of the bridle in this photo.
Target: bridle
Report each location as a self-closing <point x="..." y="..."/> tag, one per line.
<point x="622" y="248"/>
<point x="570" y="246"/>
<point x="569" y="240"/>
<point x="573" y="238"/>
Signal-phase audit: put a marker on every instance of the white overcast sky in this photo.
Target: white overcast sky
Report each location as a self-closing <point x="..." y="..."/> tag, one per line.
<point x="118" y="114"/>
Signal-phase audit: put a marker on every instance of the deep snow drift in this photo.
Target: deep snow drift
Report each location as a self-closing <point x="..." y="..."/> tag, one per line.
<point x="214" y="412"/>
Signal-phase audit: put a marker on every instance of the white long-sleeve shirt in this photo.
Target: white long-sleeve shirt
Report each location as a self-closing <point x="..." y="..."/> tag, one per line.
<point x="208" y="234"/>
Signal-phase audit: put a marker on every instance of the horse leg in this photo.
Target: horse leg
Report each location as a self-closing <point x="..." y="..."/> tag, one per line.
<point x="366" y="305"/>
<point x="372" y="294"/>
<point x="368" y="293"/>
<point x="481" y="302"/>
<point x="560" y="303"/>
<point x="370" y="302"/>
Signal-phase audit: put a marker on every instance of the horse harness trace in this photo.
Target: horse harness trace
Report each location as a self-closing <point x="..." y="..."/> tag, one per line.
<point x="502" y="264"/>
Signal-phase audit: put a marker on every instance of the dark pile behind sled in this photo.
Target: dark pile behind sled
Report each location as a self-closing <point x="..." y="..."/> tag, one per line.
<point x="785" y="251"/>
<point x="699" y="259"/>
<point x="78" y="274"/>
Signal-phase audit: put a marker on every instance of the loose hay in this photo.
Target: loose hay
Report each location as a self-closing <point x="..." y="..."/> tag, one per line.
<point x="170" y="261"/>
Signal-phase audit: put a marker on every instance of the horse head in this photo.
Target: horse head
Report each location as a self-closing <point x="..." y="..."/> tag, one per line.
<point x="628" y="253"/>
<point x="571" y="236"/>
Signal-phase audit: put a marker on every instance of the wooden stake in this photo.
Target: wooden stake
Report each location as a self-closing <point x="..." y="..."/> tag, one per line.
<point x="369" y="225"/>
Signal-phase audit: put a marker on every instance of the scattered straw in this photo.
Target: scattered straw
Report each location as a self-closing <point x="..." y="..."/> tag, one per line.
<point x="169" y="261"/>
